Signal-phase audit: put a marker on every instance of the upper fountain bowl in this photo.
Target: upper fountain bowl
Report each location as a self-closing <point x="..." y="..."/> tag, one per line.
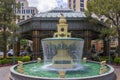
<point x="62" y="52"/>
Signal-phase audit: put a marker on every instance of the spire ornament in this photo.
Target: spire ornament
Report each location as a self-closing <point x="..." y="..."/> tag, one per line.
<point x="62" y="28"/>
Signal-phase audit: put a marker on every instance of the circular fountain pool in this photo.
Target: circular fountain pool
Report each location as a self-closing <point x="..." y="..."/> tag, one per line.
<point x="35" y="71"/>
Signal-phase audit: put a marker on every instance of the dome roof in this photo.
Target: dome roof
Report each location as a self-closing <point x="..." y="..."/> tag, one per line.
<point x="56" y="13"/>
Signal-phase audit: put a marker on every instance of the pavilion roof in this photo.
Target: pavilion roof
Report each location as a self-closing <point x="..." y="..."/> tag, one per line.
<point x="56" y="13"/>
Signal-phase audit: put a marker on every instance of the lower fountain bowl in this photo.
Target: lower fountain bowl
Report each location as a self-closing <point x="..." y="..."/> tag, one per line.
<point x="14" y="75"/>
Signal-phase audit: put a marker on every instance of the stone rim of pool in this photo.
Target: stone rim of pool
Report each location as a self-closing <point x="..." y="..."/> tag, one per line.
<point x="15" y="73"/>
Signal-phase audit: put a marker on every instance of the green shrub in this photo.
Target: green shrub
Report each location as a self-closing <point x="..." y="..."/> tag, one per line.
<point x="9" y="60"/>
<point x="117" y="60"/>
<point x="5" y="61"/>
<point x="18" y="59"/>
<point x="26" y="58"/>
<point x="103" y="58"/>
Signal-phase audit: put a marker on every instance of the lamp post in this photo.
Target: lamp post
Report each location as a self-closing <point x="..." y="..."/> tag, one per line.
<point x="13" y="39"/>
<point x="108" y="39"/>
<point x="109" y="57"/>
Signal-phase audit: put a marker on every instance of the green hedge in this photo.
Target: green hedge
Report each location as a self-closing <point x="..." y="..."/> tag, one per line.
<point x="8" y="60"/>
<point x="5" y="61"/>
<point x="103" y="58"/>
<point x="26" y="58"/>
<point x="117" y="60"/>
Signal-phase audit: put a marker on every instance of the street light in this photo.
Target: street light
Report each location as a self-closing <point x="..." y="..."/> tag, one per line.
<point x="13" y="39"/>
<point x="109" y="38"/>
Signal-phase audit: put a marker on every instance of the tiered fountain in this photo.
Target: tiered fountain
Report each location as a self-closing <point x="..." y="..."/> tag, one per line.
<point x="63" y="60"/>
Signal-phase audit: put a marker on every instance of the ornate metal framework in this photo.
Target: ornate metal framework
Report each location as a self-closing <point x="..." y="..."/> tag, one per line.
<point x="45" y="24"/>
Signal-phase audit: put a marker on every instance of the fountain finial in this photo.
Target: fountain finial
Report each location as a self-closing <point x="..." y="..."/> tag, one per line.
<point x="62" y="19"/>
<point x="62" y="28"/>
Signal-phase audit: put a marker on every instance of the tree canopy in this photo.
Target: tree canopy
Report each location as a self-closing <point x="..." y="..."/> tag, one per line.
<point x="7" y="15"/>
<point x="110" y="9"/>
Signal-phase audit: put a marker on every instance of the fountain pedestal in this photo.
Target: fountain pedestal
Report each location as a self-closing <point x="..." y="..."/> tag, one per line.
<point x="62" y="60"/>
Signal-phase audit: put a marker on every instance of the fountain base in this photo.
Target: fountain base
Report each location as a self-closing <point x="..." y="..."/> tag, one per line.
<point x="110" y="75"/>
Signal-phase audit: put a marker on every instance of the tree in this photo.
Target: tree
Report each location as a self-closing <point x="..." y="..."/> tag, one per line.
<point x="108" y="8"/>
<point x="107" y="34"/>
<point x="7" y="15"/>
<point x="23" y="43"/>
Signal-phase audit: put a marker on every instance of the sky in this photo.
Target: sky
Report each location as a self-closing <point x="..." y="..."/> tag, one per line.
<point x="43" y="5"/>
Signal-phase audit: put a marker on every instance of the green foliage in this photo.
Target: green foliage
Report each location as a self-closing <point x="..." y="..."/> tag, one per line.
<point x="23" y="42"/>
<point x="2" y="41"/>
<point x="103" y="58"/>
<point x="108" y="32"/>
<point x="8" y="60"/>
<point x="26" y="58"/>
<point x="5" y="61"/>
<point x="18" y="5"/>
<point x="117" y="60"/>
<point x="104" y="7"/>
<point x="109" y="8"/>
<point x="7" y="15"/>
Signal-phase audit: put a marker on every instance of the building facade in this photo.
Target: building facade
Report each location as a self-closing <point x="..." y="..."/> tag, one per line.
<point x="77" y="5"/>
<point x="61" y="4"/>
<point x="25" y="12"/>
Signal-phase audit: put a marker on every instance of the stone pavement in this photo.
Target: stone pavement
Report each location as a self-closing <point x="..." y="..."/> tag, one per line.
<point x="4" y="72"/>
<point x="117" y="71"/>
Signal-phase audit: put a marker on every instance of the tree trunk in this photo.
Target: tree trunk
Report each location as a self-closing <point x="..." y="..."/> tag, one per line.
<point x="106" y="44"/>
<point x="5" y="42"/>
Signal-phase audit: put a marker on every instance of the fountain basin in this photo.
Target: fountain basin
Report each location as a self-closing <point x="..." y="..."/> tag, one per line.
<point x="109" y="75"/>
<point x="62" y="52"/>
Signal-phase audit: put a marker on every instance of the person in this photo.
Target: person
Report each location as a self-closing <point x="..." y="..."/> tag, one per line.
<point x="93" y="49"/>
<point x="94" y="53"/>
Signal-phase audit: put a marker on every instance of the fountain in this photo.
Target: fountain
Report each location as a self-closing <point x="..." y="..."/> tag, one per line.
<point x="63" y="60"/>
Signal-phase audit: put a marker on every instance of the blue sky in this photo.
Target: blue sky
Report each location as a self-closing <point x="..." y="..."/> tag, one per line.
<point x="43" y="5"/>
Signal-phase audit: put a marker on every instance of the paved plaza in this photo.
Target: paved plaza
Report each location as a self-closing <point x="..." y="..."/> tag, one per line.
<point x="4" y="72"/>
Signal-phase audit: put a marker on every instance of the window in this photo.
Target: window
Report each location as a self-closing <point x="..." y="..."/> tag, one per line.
<point x="27" y="16"/>
<point x="74" y="4"/>
<point x="31" y="11"/>
<point x="22" y="4"/>
<point x="81" y="0"/>
<point x="74" y="1"/>
<point x="23" y="17"/>
<point x="27" y="11"/>
<point x="82" y="9"/>
<point x="70" y="5"/>
<point x="81" y="4"/>
<point x="22" y="11"/>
